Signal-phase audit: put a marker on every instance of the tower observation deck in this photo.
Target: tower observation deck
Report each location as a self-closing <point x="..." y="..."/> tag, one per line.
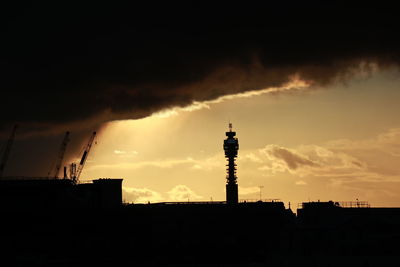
<point x="231" y="147"/>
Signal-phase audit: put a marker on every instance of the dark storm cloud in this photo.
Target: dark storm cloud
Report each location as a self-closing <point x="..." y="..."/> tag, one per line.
<point x="74" y="67"/>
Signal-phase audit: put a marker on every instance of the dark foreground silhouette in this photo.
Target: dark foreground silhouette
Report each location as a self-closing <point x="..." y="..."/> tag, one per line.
<point x="208" y="234"/>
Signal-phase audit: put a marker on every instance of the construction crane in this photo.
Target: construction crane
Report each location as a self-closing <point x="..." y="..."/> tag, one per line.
<point x="76" y="172"/>
<point x="61" y="154"/>
<point x="7" y="150"/>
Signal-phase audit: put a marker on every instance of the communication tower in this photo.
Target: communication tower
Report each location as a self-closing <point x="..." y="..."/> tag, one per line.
<point x="231" y="147"/>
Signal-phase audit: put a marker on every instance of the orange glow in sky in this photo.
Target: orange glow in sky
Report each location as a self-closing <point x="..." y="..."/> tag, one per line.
<point x="298" y="143"/>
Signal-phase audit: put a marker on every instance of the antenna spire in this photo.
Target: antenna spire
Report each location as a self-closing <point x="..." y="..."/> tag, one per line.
<point x="230" y="126"/>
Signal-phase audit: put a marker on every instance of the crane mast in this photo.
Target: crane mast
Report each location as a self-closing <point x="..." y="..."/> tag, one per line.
<point x="7" y="150"/>
<point x="61" y="154"/>
<point x="75" y="177"/>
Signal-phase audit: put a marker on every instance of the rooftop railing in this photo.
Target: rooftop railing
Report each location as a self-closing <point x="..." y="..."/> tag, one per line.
<point x="341" y="204"/>
<point x="260" y="200"/>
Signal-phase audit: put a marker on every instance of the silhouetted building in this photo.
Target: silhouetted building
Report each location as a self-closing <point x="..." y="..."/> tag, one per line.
<point x="231" y="147"/>
<point x="39" y="193"/>
<point x="108" y="192"/>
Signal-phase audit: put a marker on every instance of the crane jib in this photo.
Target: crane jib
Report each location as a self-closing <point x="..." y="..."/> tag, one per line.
<point x="83" y="158"/>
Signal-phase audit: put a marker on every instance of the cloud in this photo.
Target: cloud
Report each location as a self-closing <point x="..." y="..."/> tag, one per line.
<point x="125" y="154"/>
<point x="273" y="167"/>
<point x="210" y="163"/>
<point x="251" y="157"/>
<point x="178" y="193"/>
<point x="313" y="160"/>
<point x="79" y="74"/>
<point x="248" y="190"/>
<point x="205" y="164"/>
<point x="300" y="183"/>
<point x="387" y="142"/>
<point x="350" y="164"/>
<point x="182" y="193"/>
<point x="140" y="195"/>
<point x="380" y="153"/>
<point x="294" y="84"/>
<point x="164" y="164"/>
<point x="290" y="158"/>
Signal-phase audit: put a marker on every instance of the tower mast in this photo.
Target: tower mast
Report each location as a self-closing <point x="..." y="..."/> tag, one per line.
<point x="231" y="147"/>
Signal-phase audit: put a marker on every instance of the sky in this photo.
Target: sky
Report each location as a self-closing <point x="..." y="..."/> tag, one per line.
<point x="311" y="90"/>
<point x="337" y="143"/>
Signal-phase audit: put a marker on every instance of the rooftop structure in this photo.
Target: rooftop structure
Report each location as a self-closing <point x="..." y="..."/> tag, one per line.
<point x="42" y="193"/>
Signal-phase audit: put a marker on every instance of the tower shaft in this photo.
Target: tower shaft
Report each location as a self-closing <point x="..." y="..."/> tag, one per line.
<point x="231" y="147"/>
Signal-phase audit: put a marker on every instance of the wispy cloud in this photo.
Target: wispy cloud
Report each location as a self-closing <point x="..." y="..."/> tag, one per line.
<point x="140" y="195"/>
<point x="313" y="160"/>
<point x="205" y="164"/>
<point x="295" y="84"/>
<point x="143" y="195"/>
<point x="300" y="182"/>
<point x="250" y="157"/>
<point x="167" y="163"/>
<point x="125" y="154"/>
<point x="387" y="142"/>
<point x="248" y="190"/>
<point x="182" y="193"/>
<point x="290" y="158"/>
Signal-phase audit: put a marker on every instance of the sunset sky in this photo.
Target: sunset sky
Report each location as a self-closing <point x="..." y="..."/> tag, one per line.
<point x="314" y="99"/>
<point x="340" y="142"/>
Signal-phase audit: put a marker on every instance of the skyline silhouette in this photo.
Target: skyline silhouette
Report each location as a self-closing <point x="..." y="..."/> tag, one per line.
<point x="122" y="109"/>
